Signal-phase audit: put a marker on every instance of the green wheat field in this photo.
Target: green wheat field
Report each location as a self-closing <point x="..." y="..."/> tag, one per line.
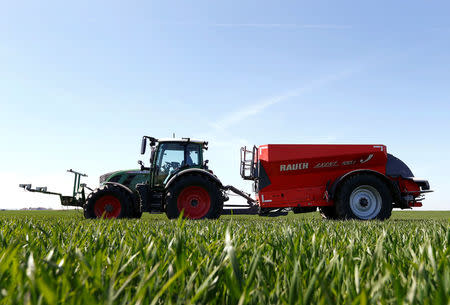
<point x="57" y="257"/>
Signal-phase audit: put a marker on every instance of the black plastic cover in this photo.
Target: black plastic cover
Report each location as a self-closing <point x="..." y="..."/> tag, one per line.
<point x="397" y="168"/>
<point x="263" y="178"/>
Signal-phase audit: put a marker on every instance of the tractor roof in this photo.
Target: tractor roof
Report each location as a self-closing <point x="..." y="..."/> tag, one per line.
<point x="183" y="140"/>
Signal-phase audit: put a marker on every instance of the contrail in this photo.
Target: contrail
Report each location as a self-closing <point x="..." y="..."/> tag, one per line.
<point x="284" y="25"/>
<point x="318" y="26"/>
<point x="260" y="106"/>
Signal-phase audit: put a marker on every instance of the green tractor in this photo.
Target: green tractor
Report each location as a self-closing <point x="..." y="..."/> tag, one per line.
<point x="177" y="181"/>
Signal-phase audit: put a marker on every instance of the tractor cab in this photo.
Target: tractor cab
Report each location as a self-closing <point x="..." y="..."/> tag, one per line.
<point x="170" y="156"/>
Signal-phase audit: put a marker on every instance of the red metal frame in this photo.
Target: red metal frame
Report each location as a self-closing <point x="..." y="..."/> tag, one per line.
<point x="301" y="175"/>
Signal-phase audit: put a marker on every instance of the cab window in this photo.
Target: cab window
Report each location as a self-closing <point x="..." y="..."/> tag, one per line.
<point x="193" y="155"/>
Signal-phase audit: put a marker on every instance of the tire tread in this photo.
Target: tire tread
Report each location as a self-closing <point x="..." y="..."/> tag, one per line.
<point x="111" y="189"/>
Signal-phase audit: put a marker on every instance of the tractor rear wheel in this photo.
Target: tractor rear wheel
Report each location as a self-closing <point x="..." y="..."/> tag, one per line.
<point x="196" y="196"/>
<point x="108" y="201"/>
<point x="365" y="197"/>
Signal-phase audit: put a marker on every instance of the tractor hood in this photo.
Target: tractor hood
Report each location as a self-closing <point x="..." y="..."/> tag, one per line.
<point x="117" y="176"/>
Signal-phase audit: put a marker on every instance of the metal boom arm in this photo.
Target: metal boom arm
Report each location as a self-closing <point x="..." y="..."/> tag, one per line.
<point x="78" y="196"/>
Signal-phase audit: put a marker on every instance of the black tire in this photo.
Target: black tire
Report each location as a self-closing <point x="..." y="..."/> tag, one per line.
<point x="364" y="197"/>
<point x="135" y="211"/>
<point x="137" y="214"/>
<point x="107" y="197"/>
<point x="194" y="184"/>
<point x="328" y="212"/>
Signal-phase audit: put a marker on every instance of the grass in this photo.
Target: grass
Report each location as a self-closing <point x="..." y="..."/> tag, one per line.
<point x="58" y="257"/>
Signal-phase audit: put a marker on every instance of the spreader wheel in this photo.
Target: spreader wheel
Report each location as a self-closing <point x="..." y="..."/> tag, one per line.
<point x="196" y="195"/>
<point x="364" y="197"/>
<point x="109" y="201"/>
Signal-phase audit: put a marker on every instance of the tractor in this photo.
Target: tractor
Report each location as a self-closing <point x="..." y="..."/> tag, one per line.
<point x="176" y="181"/>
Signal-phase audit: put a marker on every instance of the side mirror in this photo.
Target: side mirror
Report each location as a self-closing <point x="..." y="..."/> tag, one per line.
<point x="143" y="145"/>
<point x="141" y="164"/>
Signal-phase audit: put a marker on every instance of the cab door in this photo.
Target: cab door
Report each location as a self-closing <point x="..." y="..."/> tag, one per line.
<point x="169" y="159"/>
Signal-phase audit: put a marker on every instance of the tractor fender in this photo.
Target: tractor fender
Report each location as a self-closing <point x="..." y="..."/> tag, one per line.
<point x="122" y="186"/>
<point x="133" y="195"/>
<point x="194" y="171"/>
<point x="392" y="186"/>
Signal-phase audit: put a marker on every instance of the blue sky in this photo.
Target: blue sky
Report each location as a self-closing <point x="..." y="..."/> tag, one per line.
<point x="81" y="82"/>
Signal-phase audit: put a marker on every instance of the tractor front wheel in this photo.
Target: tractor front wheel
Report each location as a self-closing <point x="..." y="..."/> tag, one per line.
<point x="108" y="201"/>
<point x="196" y="196"/>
